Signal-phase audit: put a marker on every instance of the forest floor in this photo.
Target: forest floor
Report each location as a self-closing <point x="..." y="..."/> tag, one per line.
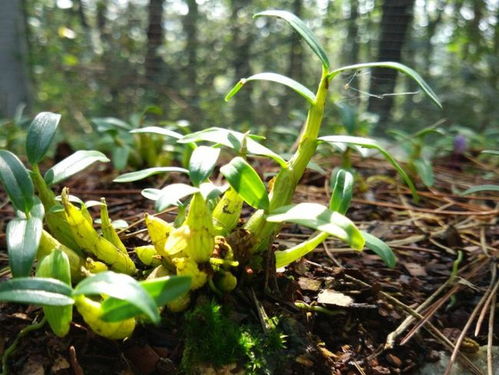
<point x="343" y="312"/>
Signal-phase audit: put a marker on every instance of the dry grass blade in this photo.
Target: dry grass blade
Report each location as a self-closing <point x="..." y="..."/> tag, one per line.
<point x="465" y="329"/>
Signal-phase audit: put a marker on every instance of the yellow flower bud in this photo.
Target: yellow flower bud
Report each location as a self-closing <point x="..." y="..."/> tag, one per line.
<point x="227" y="282"/>
<point x="91" y="312"/>
<point x="179" y="304"/>
<point x="195" y="238"/>
<point x="158" y="231"/>
<point x="148" y="255"/>
<point x="188" y="267"/>
<point x="227" y="212"/>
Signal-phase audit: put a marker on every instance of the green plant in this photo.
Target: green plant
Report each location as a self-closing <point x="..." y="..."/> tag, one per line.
<point x="212" y="220"/>
<point x="137" y="143"/>
<point x="71" y="249"/>
<point x="418" y="158"/>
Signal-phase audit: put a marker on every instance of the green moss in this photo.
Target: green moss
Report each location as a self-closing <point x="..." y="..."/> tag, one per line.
<point x="211" y="338"/>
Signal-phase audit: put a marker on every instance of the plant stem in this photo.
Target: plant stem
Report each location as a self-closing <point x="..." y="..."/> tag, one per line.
<point x="13" y="347"/>
<point x="284" y="184"/>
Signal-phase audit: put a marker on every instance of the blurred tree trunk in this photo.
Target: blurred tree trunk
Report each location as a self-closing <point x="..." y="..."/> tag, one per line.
<point x="191" y="30"/>
<point x="153" y="61"/>
<point x="241" y="46"/>
<point x="14" y="79"/>
<point x="397" y="16"/>
<point x="351" y="44"/>
<point x="295" y="67"/>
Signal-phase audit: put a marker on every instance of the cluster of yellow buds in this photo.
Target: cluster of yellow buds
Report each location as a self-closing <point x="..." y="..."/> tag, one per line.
<point x="91" y="311"/>
<point x="189" y="250"/>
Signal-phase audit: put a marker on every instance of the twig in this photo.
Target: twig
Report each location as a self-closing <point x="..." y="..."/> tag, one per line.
<point x="461" y="337"/>
<point x="490" y="369"/>
<point x="434" y="331"/>
<point x="427" y="210"/>
<point x="13" y="347"/>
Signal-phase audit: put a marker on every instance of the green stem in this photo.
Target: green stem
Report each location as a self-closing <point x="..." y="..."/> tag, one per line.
<point x="285" y="182"/>
<point x="12" y="348"/>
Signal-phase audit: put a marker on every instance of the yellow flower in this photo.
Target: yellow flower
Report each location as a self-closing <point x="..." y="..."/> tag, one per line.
<point x="195" y="238"/>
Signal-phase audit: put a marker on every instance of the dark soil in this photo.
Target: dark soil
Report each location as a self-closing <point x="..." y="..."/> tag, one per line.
<point x="341" y="338"/>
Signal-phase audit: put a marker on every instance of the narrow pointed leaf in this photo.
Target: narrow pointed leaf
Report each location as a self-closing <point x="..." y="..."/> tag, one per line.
<point x="319" y="217"/>
<point x="274" y="77"/>
<point x="144" y="173"/>
<point x="16" y="181"/>
<point x="36" y="291"/>
<point x="341" y="191"/>
<point x="73" y="164"/>
<point x="105" y="124"/>
<point x="159" y="131"/>
<point x="299" y="26"/>
<point x="392" y="65"/>
<point x="162" y="290"/>
<point x="285" y="257"/>
<point x="23" y="238"/>
<point x="246" y="181"/>
<point x="41" y="132"/>
<point x="202" y="162"/>
<point x="122" y="287"/>
<point x="425" y="171"/>
<point x="381" y="249"/>
<point x="56" y="266"/>
<point x="480" y="188"/>
<point x="233" y="140"/>
<point x="171" y="194"/>
<point x="370" y="143"/>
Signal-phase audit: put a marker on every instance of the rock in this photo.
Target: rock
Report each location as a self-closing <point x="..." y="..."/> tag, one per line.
<point x="479" y="359"/>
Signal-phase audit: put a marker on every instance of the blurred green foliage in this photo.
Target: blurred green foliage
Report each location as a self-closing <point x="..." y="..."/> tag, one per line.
<point x="88" y="58"/>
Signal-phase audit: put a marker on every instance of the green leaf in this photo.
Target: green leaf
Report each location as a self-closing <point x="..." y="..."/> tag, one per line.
<point x="106" y="124"/>
<point x="210" y="191"/>
<point x="122" y="287"/>
<point x="16" y="181"/>
<point x="171" y="194"/>
<point x="159" y="131"/>
<point x="479" y="188"/>
<point x="144" y="173"/>
<point x="73" y="164"/>
<point x="425" y="171"/>
<point x="41" y="132"/>
<point x="285" y="257"/>
<point x="162" y="290"/>
<point x="202" y="162"/>
<point x="370" y="143"/>
<point x="36" y="291"/>
<point x="56" y="265"/>
<point x="490" y="152"/>
<point x="341" y="191"/>
<point x="120" y="156"/>
<point x="318" y="217"/>
<point x="273" y="77"/>
<point x="381" y="249"/>
<point x="244" y="179"/>
<point x="23" y="237"/>
<point x="392" y="65"/>
<point x="301" y="29"/>
<point x="233" y="140"/>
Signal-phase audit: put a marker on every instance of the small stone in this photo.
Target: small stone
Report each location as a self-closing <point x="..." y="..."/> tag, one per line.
<point x="394" y="360"/>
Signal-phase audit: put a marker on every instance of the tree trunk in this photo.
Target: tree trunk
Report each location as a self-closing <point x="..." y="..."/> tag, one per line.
<point x="153" y="61"/>
<point x="14" y="81"/>
<point x="191" y="31"/>
<point x="295" y="67"/>
<point x="351" y="44"/>
<point x="397" y="16"/>
<point x="241" y="45"/>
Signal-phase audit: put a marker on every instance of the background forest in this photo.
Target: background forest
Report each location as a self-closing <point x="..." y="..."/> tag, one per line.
<point x="98" y="58"/>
